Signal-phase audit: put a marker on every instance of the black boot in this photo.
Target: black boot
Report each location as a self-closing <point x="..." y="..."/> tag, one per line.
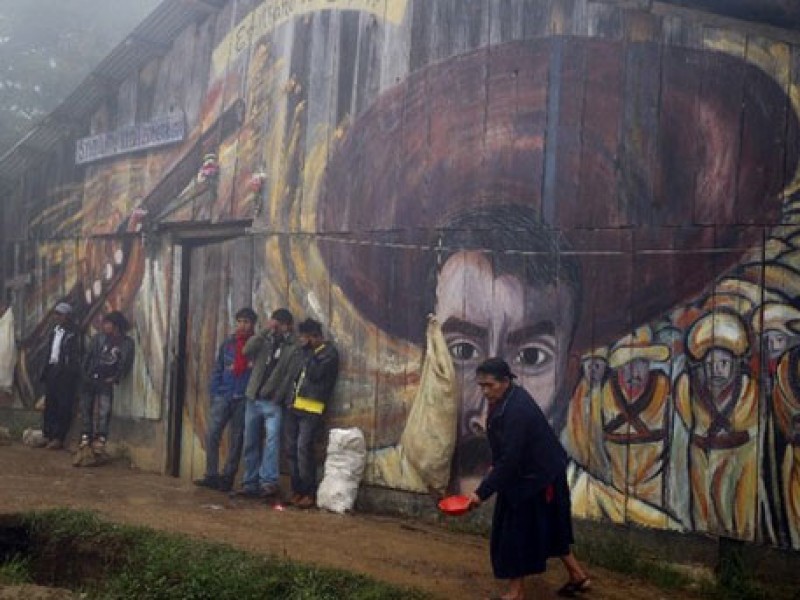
<point x="209" y="481"/>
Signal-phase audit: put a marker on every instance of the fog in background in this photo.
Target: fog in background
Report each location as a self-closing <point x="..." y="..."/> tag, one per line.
<point x="48" y="46"/>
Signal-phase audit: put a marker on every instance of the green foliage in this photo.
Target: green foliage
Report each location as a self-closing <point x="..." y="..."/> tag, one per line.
<point x="133" y="562"/>
<point x="734" y="580"/>
<point x="621" y="557"/>
<point x="15" y="571"/>
<point x="63" y="524"/>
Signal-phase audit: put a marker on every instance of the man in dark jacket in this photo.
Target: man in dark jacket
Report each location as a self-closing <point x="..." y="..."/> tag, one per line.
<point x="314" y="390"/>
<point x="276" y="362"/>
<point x="61" y="376"/>
<point x="532" y="520"/>
<point x="227" y="389"/>
<point x="108" y="361"/>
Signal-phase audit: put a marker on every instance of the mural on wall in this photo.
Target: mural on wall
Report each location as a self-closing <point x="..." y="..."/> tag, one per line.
<point x="612" y="211"/>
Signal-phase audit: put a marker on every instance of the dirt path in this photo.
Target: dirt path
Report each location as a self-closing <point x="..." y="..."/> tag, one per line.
<point x="397" y="551"/>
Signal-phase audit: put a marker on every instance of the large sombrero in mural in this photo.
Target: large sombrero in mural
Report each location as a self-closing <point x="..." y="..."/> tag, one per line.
<point x="604" y="141"/>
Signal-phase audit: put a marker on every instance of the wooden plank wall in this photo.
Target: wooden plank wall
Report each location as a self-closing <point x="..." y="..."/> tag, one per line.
<point x="631" y="134"/>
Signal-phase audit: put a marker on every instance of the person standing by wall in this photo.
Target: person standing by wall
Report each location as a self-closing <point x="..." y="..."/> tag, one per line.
<point x="276" y="361"/>
<point x="532" y="520"/>
<point x="61" y="376"/>
<point x="108" y="361"/>
<point x="314" y="390"/>
<point x="227" y="388"/>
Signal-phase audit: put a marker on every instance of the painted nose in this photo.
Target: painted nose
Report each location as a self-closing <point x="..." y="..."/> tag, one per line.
<point x="476" y="423"/>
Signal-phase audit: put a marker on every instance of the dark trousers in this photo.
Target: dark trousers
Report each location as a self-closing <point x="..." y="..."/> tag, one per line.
<point x="96" y="399"/>
<point x="301" y="430"/>
<point x="60" y="393"/>
<point x="225" y="410"/>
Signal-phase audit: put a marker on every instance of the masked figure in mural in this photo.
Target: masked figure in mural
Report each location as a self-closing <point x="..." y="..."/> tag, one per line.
<point x="671" y="336"/>
<point x="782" y="445"/>
<point x="277" y="359"/>
<point x="717" y="403"/>
<point x="532" y="520"/>
<point x="229" y="380"/>
<point x="582" y="435"/>
<point x="108" y="361"/>
<point x="61" y="376"/>
<point x="304" y="417"/>
<point x="635" y="417"/>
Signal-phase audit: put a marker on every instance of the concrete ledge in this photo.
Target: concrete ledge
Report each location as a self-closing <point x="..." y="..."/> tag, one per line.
<point x="18" y="419"/>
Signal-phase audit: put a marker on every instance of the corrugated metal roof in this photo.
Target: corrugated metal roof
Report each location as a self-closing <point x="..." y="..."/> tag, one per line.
<point x="152" y="38"/>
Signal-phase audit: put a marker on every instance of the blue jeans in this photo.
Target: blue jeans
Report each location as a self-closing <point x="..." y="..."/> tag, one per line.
<point x="301" y="430"/>
<point x="261" y="459"/>
<point x="225" y="410"/>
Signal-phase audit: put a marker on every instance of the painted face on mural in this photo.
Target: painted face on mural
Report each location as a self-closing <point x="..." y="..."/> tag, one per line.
<point x="776" y="342"/>
<point x="634" y="376"/>
<point x="485" y="314"/>
<point x="720" y="369"/>
<point x="594" y="369"/>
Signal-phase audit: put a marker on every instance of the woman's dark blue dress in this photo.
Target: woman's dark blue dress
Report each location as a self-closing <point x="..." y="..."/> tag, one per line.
<point x="532" y="520"/>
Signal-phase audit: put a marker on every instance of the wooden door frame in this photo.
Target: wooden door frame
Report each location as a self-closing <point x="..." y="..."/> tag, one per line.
<point x="189" y="238"/>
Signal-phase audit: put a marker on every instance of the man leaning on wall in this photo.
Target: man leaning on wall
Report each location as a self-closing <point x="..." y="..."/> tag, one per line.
<point x="304" y="418"/>
<point x="61" y="376"/>
<point x="229" y="381"/>
<point x="277" y="360"/>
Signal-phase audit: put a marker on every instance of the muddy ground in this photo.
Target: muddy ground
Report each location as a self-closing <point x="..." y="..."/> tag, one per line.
<point x="450" y="565"/>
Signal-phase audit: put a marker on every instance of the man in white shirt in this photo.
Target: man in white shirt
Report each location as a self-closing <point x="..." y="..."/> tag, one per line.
<point x="61" y="376"/>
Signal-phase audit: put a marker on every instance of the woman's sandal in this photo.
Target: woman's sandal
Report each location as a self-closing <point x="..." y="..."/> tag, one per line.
<point x="571" y="588"/>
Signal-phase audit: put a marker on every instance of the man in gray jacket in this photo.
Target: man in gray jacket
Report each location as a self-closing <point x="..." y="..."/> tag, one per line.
<point x="277" y="360"/>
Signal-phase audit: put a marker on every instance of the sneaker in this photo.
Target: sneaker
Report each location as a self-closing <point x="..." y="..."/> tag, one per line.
<point x="84" y="442"/>
<point x="225" y="484"/>
<point x="269" y="489"/>
<point x="54" y="445"/>
<point x="305" y="502"/>
<point x="99" y="446"/>
<point x="246" y="493"/>
<point x="209" y="481"/>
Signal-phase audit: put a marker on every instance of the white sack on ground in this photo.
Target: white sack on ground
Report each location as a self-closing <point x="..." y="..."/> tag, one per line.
<point x="33" y="437"/>
<point x="344" y="467"/>
<point x="8" y="351"/>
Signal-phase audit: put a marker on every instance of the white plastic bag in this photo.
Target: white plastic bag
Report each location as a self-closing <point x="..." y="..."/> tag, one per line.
<point x="8" y="351"/>
<point x="344" y="467"/>
<point x="33" y="438"/>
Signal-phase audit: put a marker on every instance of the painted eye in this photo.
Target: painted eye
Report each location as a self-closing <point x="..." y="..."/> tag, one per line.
<point x="532" y="356"/>
<point x="463" y="351"/>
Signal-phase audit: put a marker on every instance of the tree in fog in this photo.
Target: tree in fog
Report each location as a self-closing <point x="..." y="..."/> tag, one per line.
<point x="48" y="46"/>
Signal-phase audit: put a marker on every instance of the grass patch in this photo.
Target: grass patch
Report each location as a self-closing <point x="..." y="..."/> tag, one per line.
<point x="118" y="562"/>
<point x="15" y="571"/>
<point x="624" y="558"/>
<point x="733" y="580"/>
